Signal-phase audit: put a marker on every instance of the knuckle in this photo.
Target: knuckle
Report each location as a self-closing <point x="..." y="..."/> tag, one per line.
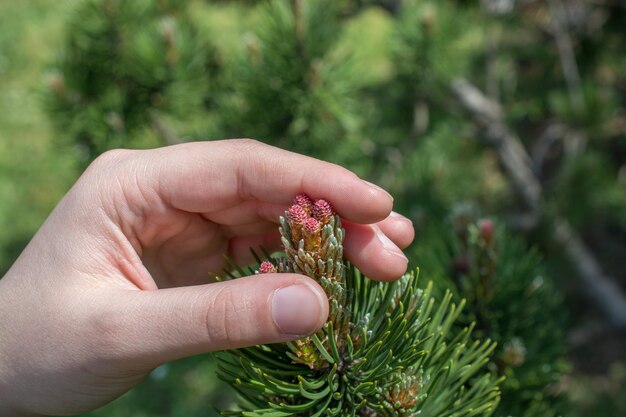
<point x="224" y="319"/>
<point x="252" y="156"/>
<point x="107" y="165"/>
<point x="110" y="178"/>
<point x="248" y="143"/>
<point x="251" y="148"/>
<point x="110" y="158"/>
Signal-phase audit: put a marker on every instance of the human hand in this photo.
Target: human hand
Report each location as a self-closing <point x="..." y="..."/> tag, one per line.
<point x="115" y="282"/>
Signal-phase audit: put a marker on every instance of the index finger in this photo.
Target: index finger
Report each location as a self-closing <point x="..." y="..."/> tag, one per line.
<point x="209" y="176"/>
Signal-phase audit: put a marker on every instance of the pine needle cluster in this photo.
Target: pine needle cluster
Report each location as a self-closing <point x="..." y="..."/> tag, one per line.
<point x="124" y="63"/>
<point x="512" y="301"/>
<point x="295" y="70"/>
<point x="386" y="349"/>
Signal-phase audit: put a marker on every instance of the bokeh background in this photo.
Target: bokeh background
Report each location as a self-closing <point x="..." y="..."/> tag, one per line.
<point x="513" y="110"/>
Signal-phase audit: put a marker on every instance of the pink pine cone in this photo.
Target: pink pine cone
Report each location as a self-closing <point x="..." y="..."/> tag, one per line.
<point x="297" y="214"/>
<point x="305" y="202"/>
<point x="267" y="267"/>
<point x="312" y="235"/>
<point x="322" y="210"/>
<point x="311" y="226"/>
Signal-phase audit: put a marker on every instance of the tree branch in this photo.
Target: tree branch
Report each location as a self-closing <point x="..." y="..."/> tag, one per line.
<point x="598" y="285"/>
<point x="517" y="166"/>
<point x="488" y="115"/>
<point x="567" y="57"/>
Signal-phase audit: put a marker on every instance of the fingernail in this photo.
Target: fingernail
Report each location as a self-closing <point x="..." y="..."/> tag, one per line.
<point x="389" y="246"/>
<point x="297" y="309"/>
<point x="376" y="187"/>
<point x="399" y="217"/>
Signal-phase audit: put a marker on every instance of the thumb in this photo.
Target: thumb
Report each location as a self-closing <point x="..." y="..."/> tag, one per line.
<point x="163" y="325"/>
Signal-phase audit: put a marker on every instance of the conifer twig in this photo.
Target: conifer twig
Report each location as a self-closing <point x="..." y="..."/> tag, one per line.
<point x="540" y="152"/>
<point x="517" y="165"/>
<point x="385" y="350"/>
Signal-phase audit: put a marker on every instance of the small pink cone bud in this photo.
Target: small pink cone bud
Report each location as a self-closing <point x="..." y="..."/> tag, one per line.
<point x="297" y="215"/>
<point x="486" y="229"/>
<point x="312" y="236"/>
<point x="311" y="226"/>
<point x="305" y="202"/>
<point x="322" y="211"/>
<point x="267" y="267"/>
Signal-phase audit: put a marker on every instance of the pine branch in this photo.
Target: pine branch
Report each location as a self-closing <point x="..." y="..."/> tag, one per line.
<point x="554" y="133"/>
<point x="510" y="298"/>
<point x="387" y="349"/>
<point x="123" y="65"/>
<point x="517" y="165"/>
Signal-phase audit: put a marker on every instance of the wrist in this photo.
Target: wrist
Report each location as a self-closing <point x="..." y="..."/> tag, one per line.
<point x="8" y="401"/>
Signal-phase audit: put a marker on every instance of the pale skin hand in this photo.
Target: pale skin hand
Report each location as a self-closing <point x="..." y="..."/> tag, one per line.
<point x="115" y="282"/>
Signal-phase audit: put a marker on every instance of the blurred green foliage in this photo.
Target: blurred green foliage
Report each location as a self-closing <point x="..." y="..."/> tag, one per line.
<point x="361" y="83"/>
<point x="511" y="300"/>
<point x="155" y="62"/>
<point x="28" y="156"/>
